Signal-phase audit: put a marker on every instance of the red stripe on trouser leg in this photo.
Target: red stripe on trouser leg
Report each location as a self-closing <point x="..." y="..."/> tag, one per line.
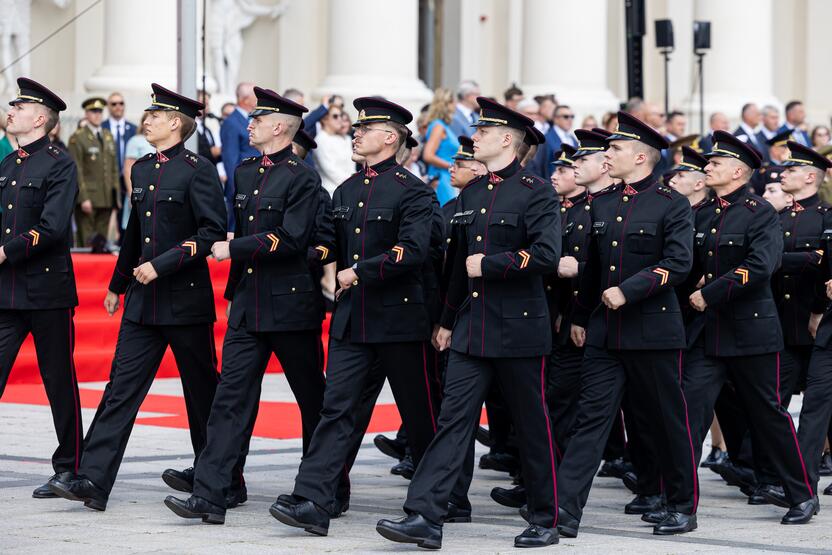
<point x="427" y="387"/>
<point x="794" y="435"/>
<point x="549" y="433"/>
<point x="690" y="440"/>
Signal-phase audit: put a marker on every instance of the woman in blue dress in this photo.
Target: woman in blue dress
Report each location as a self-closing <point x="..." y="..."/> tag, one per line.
<point x="441" y="144"/>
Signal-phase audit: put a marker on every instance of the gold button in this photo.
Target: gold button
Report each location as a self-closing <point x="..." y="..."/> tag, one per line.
<point x="147" y="239"/>
<point x="710" y="276"/>
<point x="355" y="257"/>
<point x="366" y="181"/>
<point x="405" y="299"/>
<point x="710" y="253"/>
<point x="615" y="243"/>
<point x="14" y="182"/>
<point x="730" y="242"/>
<point x="192" y="284"/>
<point x="378" y="217"/>
<point x="448" y="240"/>
<point x="612" y="268"/>
<point x="482" y="210"/>
<point x="548" y="288"/>
<point x="250" y="271"/>
<point x="625" y="198"/>
<point x="577" y="248"/>
<point x="580" y="227"/>
<point x="664" y="308"/>
<point x="475" y="294"/>
<point x="787" y="296"/>
<point x="152" y="187"/>
<point x="755" y="315"/>
<point x="562" y="209"/>
<point x="358" y="230"/>
<point x="355" y="282"/>
<point x="793" y="214"/>
<point x="361" y="204"/>
<point x="157" y="165"/>
<point x="261" y="170"/>
<point x="251" y="218"/>
<point x="257" y="191"/>
<point x="807" y="244"/>
<point x="490" y="186"/>
<point x="641" y="231"/>
<point x="46" y="269"/>
<point x="10" y="207"/>
<point x="8" y="231"/>
<point x="718" y="210"/>
<point x="713" y="230"/>
<point x="788" y="234"/>
<point x="618" y="219"/>
<point x="147" y="213"/>
<point x="586" y="207"/>
<point x="574" y="293"/>
<point x="525" y="313"/>
<point x="18" y="160"/>
<point x="479" y="237"/>
<point x="293" y="289"/>
<point x="170" y="198"/>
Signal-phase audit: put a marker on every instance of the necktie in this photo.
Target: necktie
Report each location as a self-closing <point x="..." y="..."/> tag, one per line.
<point x="100" y="140"/>
<point x="118" y="143"/>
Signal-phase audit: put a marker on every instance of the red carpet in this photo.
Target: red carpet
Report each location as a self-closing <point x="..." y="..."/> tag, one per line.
<point x="96" y="333"/>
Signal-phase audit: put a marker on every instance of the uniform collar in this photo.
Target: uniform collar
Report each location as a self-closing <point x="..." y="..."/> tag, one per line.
<point x="733" y="197"/>
<point x="383" y="166"/>
<point x="808" y="202"/>
<point x="33" y="147"/>
<point x="573" y="200"/>
<point x="639" y="186"/>
<point x="509" y="170"/>
<point x="167" y="154"/>
<point x="277" y="157"/>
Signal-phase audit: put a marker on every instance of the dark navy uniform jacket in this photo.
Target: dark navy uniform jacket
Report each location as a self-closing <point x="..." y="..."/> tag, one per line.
<point x="383" y="218"/>
<point x="738" y="247"/>
<point x="178" y="213"/>
<point x="275" y="206"/>
<point x="824" y="334"/>
<point x="640" y="243"/>
<point x="38" y="188"/>
<point x="511" y="217"/>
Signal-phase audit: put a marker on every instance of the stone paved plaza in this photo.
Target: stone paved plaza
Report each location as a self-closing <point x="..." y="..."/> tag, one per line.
<point x="136" y="521"/>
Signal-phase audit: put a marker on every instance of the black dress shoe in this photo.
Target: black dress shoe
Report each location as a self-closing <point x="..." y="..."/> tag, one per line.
<point x="484" y="436"/>
<point x="514" y="497"/>
<point x="655" y="517"/>
<point x="81" y="489"/>
<point x="716" y="457"/>
<point x="394" y="448"/>
<point x="828" y="490"/>
<point x="772" y="494"/>
<point x="501" y="462"/>
<point x="536" y="536"/>
<point x="196" y="507"/>
<point x="306" y="515"/>
<point x="524" y="513"/>
<point x="615" y="468"/>
<point x="236" y="498"/>
<point x="644" y="504"/>
<point x="412" y="529"/>
<point x="45" y="492"/>
<point x="339" y="507"/>
<point x="757" y="498"/>
<point x="630" y="480"/>
<point x="457" y="514"/>
<point x="802" y="513"/>
<point x="675" y="523"/>
<point x="567" y="524"/>
<point x="825" y="468"/>
<point x="287" y="499"/>
<point x="180" y="480"/>
<point x="738" y="476"/>
<point x="405" y="468"/>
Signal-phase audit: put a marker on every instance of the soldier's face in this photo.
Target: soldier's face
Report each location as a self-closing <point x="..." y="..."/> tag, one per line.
<point x="94" y="117"/>
<point x="21" y="118"/>
<point x="563" y="180"/>
<point x="685" y="182"/>
<point x="158" y="126"/>
<point x="719" y="171"/>
<point x="794" y="178"/>
<point x="589" y="169"/>
<point x="776" y="197"/>
<point x="371" y="139"/>
<point x="260" y="130"/>
<point x="620" y="158"/>
<point x="463" y="172"/>
<point x="487" y="142"/>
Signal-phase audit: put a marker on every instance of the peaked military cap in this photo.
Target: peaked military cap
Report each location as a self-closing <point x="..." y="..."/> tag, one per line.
<point x="493" y="113"/>
<point x="692" y="161"/>
<point x="800" y="155"/>
<point x="727" y="145"/>
<point x="780" y="139"/>
<point x="32" y="91"/>
<point x="411" y="141"/>
<point x="630" y="128"/>
<point x="269" y="102"/>
<point x="533" y="136"/>
<point x="372" y="109"/>
<point x="169" y="101"/>
<point x="94" y="103"/>
<point x="466" y="149"/>
<point x="304" y="140"/>
<point x="590" y="142"/>
<point x="564" y="157"/>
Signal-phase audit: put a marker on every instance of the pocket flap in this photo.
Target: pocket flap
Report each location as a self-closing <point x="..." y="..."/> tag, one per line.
<point x="33" y="182"/>
<point x="270" y="204"/>
<point x="403" y="295"/>
<point x="286" y="285"/>
<point x="379" y="215"/>
<point x="731" y="240"/>
<point x="807" y="242"/>
<point x="240" y="201"/>
<point x="47" y="266"/>
<point x="504" y="218"/>
<point x="171" y="196"/>
<point x="645" y="228"/>
<point x="752" y="310"/>
<point x="524" y="308"/>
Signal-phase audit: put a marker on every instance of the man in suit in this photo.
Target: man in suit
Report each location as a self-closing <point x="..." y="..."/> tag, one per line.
<point x="121" y="130"/>
<point x="235" y="144"/>
<point x="750" y="118"/>
<point x="559" y="132"/>
<point x="465" y="114"/>
<point x="771" y="122"/>
<point x="718" y="122"/>
<point x="795" y="118"/>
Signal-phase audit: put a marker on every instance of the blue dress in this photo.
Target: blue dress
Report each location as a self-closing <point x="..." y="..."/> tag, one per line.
<point x="446" y="150"/>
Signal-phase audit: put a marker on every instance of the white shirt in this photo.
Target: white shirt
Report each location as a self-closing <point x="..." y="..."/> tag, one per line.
<point x="333" y="159"/>
<point x="465" y="110"/>
<point x="566" y="136"/>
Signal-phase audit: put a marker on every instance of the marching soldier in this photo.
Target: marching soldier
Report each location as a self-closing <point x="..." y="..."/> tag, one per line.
<point x="177" y="215"/>
<point x="383" y="219"/>
<point x="640" y="249"/>
<point x="38" y="187"/>
<point x="738" y="246"/>
<point x="496" y="305"/>
<point x="94" y="151"/>
<point x="276" y="203"/>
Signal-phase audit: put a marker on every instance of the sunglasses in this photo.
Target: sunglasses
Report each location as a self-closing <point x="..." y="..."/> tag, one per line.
<point x="567" y="116"/>
<point x="116" y="103"/>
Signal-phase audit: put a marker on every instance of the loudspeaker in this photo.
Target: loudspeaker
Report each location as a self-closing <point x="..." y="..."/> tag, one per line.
<point x="701" y="35"/>
<point x="664" y="34"/>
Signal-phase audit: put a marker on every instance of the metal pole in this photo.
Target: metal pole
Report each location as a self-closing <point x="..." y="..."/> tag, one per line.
<point x="666" y="83"/>
<point x="701" y="57"/>
<point x="186" y="41"/>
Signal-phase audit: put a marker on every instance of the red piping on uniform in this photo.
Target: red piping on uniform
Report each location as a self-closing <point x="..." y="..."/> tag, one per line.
<point x="690" y="440"/>
<point x="156" y="188"/>
<point x="427" y="386"/>
<point x="794" y="435"/>
<point x="485" y="252"/>
<point x="14" y="223"/>
<point x="549" y="433"/>
<point x="74" y="389"/>
<point x="621" y="260"/>
<point x="363" y="237"/>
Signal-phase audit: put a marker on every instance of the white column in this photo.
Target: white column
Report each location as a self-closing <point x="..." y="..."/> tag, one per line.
<point x="738" y="67"/>
<point x="139" y="46"/>
<point x="373" y="50"/>
<point x="562" y="56"/>
<point x="818" y="79"/>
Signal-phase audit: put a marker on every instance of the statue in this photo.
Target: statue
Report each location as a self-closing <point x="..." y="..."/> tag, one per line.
<point x="15" y="29"/>
<point x="226" y="22"/>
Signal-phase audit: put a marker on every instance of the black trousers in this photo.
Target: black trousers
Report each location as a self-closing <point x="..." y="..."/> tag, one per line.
<point x="755" y="379"/>
<point x="563" y="385"/>
<point x="467" y="381"/>
<point x="245" y="357"/>
<point x="652" y="381"/>
<point x="54" y="334"/>
<point x="406" y="367"/>
<point x="816" y="412"/>
<point x="139" y="352"/>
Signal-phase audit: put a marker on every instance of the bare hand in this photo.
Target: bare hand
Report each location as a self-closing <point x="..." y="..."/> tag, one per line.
<point x="442" y="339"/>
<point x="568" y="267"/>
<point x="2" y="254"/>
<point x="221" y="250"/>
<point x="111" y="302"/>
<point x="829" y="289"/>
<point x="86" y="207"/>
<point x="347" y="278"/>
<point x="228" y="309"/>
<point x="473" y="264"/>
<point x="614" y="298"/>
<point x="145" y="273"/>
<point x="700" y="283"/>
<point x="814" y="322"/>
<point x="697" y="301"/>
<point x="578" y="335"/>
<point x="229" y="236"/>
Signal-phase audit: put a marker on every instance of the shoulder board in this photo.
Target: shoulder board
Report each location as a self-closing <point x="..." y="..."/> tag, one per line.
<point x="249" y="160"/>
<point x="665" y="191"/>
<point x="54" y="151"/>
<point x="530" y="180"/>
<point x="191" y="158"/>
<point x="146" y="157"/>
<point x="292" y="163"/>
<point x="823" y="207"/>
<point x="751" y="204"/>
<point x="402" y="176"/>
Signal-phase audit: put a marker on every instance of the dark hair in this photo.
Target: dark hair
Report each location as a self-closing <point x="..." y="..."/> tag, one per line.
<point x="541" y="98"/>
<point x="674" y="114"/>
<point x="793" y="104"/>
<point x="51" y="120"/>
<point x="559" y="107"/>
<point x="512" y="91"/>
<point x="187" y="124"/>
<point x="745" y="108"/>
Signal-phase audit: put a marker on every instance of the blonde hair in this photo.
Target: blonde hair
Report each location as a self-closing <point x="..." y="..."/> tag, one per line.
<point x="440" y="107"/>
